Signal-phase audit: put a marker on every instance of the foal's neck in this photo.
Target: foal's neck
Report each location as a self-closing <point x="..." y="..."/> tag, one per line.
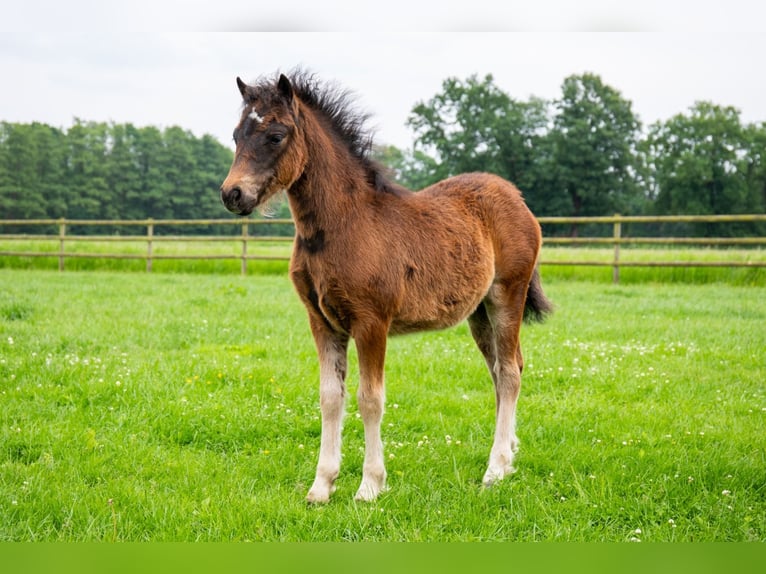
<point x="326" y="194"/>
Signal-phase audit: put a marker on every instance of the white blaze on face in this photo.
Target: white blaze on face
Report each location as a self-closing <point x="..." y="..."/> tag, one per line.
<point x="254" y="115"/>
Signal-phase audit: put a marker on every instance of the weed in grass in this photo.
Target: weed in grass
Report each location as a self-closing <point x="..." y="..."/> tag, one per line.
<point x="185" y="407"/>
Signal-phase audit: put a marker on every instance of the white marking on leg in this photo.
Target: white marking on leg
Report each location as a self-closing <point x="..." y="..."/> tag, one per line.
<point x="374" y="471"/>
<point x="505" y="443"/>
<point x="332" y="404"/>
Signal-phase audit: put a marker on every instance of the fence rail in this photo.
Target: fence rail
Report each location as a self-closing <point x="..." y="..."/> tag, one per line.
<point x="617" y="239"/>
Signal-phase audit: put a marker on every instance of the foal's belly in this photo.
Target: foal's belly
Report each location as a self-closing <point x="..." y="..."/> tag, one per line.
<point x="432" y="305"/>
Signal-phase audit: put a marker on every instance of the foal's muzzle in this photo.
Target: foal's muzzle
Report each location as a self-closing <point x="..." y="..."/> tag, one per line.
<point x="231" y="197"/>
<point x="235" y="201"/>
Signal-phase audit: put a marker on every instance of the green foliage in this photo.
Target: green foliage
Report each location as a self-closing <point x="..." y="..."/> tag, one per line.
<point x="110" y="171"/>
<point x="472" y="125"/>
<point x="706" y="162"/>
<point x="586" y="154"/>
<point x="185" y="408"/>
<point x="578" y="161"/>
<point x="594" y="140"/>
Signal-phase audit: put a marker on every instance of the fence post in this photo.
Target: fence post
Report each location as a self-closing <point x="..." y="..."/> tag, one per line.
<point x="149" y="235"/>
<point x="616" y="263"/>
<point x="62" y="234"/>
<point x="244" y="248"/>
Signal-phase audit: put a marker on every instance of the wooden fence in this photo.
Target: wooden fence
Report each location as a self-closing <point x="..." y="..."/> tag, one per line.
<point x="616" y="240"/>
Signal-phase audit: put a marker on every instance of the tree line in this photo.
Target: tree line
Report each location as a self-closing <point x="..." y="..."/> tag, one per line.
<point x="587" y="153"/>
<point x="98" y="170"/>
<point x="584" y="153"/>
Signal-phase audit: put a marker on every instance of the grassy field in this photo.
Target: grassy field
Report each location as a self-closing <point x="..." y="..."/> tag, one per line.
<point x="183" y="407"/>
<point x="233" y="249"/>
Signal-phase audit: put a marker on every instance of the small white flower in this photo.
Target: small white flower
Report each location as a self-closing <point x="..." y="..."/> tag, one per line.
<point x="726" y="492"/>
<point x="637" y="531"/>
<point x="10" y="340"/>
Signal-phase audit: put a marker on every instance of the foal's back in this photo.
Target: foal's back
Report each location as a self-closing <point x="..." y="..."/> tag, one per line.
<point x="452" y="240"/>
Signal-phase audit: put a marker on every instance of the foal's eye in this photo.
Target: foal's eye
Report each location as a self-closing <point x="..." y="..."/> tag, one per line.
<point x="276" y="139"/>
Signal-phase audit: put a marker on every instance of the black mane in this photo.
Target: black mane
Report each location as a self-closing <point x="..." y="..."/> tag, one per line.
<point x="349" y="124"/>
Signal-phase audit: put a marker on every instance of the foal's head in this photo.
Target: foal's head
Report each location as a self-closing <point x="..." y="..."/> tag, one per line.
<point x="270" y="153"/>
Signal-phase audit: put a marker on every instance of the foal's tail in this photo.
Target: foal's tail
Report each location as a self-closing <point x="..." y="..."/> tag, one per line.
<point x="537" y="306"/>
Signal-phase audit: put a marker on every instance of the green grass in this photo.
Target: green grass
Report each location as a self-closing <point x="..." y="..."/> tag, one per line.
<point x="182" y="407"/>
<point x="701" y="275"/>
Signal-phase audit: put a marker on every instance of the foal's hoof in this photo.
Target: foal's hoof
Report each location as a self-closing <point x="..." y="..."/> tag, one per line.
<point x="366" y="494"/>
<point x="493" y="476"/>
<point x="369" y="492"/>
<point x="315" y="498"/>
<point x="319" y="494"/>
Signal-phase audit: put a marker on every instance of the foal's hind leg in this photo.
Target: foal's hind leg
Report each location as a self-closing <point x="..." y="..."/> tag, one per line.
<point x="332" y="350"/>
<point x="504" y="309"/>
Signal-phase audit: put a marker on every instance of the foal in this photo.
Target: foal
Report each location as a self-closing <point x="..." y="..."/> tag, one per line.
<point x="372" y="259"/>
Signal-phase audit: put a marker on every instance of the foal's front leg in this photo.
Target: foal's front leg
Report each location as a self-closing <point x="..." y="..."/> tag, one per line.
<point x="332" y="350"/>
<point x="371" y="349"/>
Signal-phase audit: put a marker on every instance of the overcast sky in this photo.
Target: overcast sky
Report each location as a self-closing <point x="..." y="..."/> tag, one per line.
<point x="174" y="62"/>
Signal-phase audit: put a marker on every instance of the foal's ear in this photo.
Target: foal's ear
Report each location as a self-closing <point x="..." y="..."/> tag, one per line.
<point x="242" y="87"/>
<point x="285" y="88"/>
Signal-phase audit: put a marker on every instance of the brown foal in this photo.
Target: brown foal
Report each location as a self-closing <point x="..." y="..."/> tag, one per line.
<point x="372" y="259"/>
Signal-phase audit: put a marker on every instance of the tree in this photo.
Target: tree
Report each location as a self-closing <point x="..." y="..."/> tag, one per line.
<point x="21" y="196"/>
<point x="706" y="163"/>
<point x="88" y="194"/>
<point x="594" y="139"/>
<point x="123" y="173"/>
<point x="213" y="161"/>
<point x="755" y="168"/>
<point x="412" y="168"/>
<point x="473" y="125"/>
<point x="109" y="171"/>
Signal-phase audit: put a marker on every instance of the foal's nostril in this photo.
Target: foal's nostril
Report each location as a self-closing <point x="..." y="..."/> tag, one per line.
<point x="231" y="196"/>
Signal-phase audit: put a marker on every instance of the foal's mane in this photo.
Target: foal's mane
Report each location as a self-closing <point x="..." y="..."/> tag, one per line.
<point x="348" y="123"/>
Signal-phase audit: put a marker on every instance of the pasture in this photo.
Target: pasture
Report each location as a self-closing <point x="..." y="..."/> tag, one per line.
<point x="206" y="257"/>
<point x="180" y="407"/>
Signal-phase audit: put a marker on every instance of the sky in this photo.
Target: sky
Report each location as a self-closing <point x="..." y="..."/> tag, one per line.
<point x="174" y="62"/>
